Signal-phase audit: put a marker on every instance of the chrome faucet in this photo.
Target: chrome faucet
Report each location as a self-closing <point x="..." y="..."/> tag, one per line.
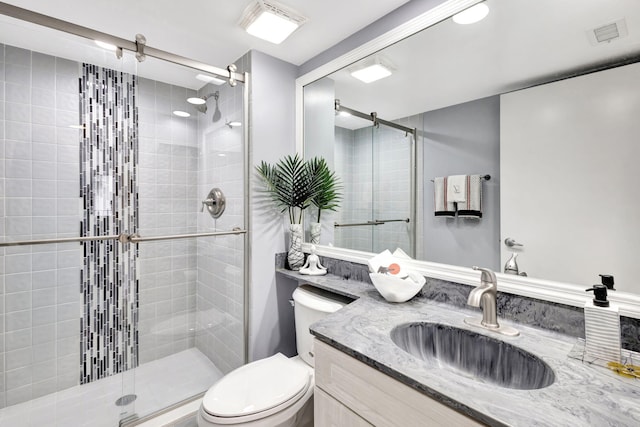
<point x="485" y="296"/>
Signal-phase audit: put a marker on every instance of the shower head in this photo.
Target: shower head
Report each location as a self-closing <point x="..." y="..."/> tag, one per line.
<point x="201" y="107"/>
<point x="200" y="102"/>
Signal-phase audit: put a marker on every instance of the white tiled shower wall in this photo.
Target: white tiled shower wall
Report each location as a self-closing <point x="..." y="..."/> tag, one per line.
<point x="392" y="188"/>
<point x="191" y="290"/>
<point x="40" y="304"/>
<point x="168" y="205"/>
<point x="374" y="165"/>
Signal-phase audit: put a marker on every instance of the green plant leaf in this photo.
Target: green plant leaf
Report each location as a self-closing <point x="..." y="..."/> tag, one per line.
<point x="290" y="185"/>
<point x="326" y="186"/>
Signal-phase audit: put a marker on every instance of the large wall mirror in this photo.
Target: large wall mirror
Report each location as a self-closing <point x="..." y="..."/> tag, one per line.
<point x="540" y="101"/>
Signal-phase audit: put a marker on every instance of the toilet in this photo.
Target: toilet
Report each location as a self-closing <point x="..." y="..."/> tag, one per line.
<point x="276" y="391"/>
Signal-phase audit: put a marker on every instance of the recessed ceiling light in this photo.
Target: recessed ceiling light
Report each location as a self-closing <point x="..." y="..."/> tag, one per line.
<point x="233" y="124"/>
<point x="107" y="46"/>
<point x="371" y="70"/>
<point x="181" y="113"/>
<point x="270" y="21"/>
<point x="196" y="100"/>
<point x="472" y="15"/>
<point x="344" y="114"/>
<point x="210" y="79"/>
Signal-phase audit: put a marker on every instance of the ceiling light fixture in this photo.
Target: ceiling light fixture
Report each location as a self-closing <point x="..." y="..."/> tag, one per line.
<point x="181" y="113"/>
<point x="196" y="100"/>
<point x="472" y="15"/>
<point x="372" y="69"/>
<point x="270" y="21"/>
<point x="233" y="124"/>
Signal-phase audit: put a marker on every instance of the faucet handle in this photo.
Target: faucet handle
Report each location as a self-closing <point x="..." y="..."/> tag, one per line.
<point x="488" y="276"/>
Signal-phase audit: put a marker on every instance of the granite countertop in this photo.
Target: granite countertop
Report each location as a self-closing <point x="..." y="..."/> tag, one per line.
<point x="582" y="394"/>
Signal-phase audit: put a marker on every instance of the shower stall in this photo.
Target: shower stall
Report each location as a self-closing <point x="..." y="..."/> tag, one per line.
<point x="375" y="159"/>
<point x="123" y="256"/>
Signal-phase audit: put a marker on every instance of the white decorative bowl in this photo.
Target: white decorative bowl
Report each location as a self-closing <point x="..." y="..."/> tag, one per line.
<point x="394" y="289"/>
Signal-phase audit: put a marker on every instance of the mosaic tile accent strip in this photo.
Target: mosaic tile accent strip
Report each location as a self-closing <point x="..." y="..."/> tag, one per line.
<point x="108" y="188"/>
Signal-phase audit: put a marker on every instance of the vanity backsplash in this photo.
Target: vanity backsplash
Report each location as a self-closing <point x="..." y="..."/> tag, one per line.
<point x="534" y="312"/>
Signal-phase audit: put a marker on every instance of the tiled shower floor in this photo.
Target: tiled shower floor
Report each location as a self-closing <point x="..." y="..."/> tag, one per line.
<point x="157" y="384"/>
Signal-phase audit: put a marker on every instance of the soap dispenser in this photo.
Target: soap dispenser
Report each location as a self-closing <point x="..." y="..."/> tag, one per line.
<point x="602" y="323"/>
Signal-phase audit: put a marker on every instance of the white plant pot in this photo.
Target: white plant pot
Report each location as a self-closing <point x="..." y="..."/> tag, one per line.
<point x="295" y="255"/>
<point x="314" y="233"/>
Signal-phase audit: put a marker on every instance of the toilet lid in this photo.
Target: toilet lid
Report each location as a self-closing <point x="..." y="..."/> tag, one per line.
<point x="256" y="387"/>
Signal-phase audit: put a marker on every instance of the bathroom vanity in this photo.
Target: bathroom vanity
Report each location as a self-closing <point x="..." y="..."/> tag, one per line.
<point x="364" y="378"/>
<point x="353" y="393"/>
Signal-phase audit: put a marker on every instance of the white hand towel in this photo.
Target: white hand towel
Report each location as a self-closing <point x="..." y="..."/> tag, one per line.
<point x="472" y="208"/>
<point x="457" y="188"/>
<point x="442" y="206"/>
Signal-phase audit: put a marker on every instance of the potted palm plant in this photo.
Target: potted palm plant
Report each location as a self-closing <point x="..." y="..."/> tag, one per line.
<point x="327" y="195"/>
<point x="293" y="185"/>
<point x="290" y="186"/>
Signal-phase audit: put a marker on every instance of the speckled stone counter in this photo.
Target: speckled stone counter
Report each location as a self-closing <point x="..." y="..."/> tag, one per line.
<point x="582" y="394"/>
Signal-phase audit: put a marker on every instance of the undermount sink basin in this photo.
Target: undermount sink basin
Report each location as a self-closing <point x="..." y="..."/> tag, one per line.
<point x="479" y="356"/>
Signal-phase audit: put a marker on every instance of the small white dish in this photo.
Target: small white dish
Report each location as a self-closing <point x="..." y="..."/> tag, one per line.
<point x="394" y="289"/>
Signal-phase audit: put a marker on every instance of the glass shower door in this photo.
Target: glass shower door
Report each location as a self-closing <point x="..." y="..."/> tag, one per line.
<point x="191" y="286"/>
<point x="391" y="153"/>
<point x="353" y="152"/>
<point x="58" y="342"/>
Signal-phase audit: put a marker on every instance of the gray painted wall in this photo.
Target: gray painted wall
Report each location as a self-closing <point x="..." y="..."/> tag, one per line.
<point x="463" y="139"/>
<point x="319" y="122"/>
<point x="272" y="109"/>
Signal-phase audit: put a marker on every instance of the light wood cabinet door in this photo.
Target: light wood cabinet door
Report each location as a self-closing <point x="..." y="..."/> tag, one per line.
<point x="379" y="399"/>
<point x="328" y="412"/>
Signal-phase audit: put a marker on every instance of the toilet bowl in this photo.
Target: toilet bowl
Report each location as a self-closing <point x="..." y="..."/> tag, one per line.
<point x="276" y="391"/>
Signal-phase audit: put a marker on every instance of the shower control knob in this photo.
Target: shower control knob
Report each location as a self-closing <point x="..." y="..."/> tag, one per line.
<point x="207" y="202"/>
<point x="215" y="203"/>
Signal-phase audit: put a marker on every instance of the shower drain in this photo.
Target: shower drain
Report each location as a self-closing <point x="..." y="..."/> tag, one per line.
<point x="126" y="399"/>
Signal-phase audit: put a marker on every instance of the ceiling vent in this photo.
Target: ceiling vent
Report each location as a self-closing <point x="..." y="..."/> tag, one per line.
<point x="608" y="33"/>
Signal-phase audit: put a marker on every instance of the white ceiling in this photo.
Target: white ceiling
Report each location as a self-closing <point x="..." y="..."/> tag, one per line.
<point x="521" y="42"/>
<point x="204" y="30"/>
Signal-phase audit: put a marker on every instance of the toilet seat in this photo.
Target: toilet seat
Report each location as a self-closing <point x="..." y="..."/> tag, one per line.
<point x="257" y="390"/>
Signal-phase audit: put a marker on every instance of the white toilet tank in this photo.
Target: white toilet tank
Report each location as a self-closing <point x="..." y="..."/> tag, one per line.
<point x="310" y="305"/>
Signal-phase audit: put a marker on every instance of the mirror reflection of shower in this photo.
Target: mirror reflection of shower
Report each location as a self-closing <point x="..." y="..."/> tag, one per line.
<point x="200" y="103"/>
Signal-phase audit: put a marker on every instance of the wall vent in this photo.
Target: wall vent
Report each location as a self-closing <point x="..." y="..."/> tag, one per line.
<point x="608" y="32"/>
